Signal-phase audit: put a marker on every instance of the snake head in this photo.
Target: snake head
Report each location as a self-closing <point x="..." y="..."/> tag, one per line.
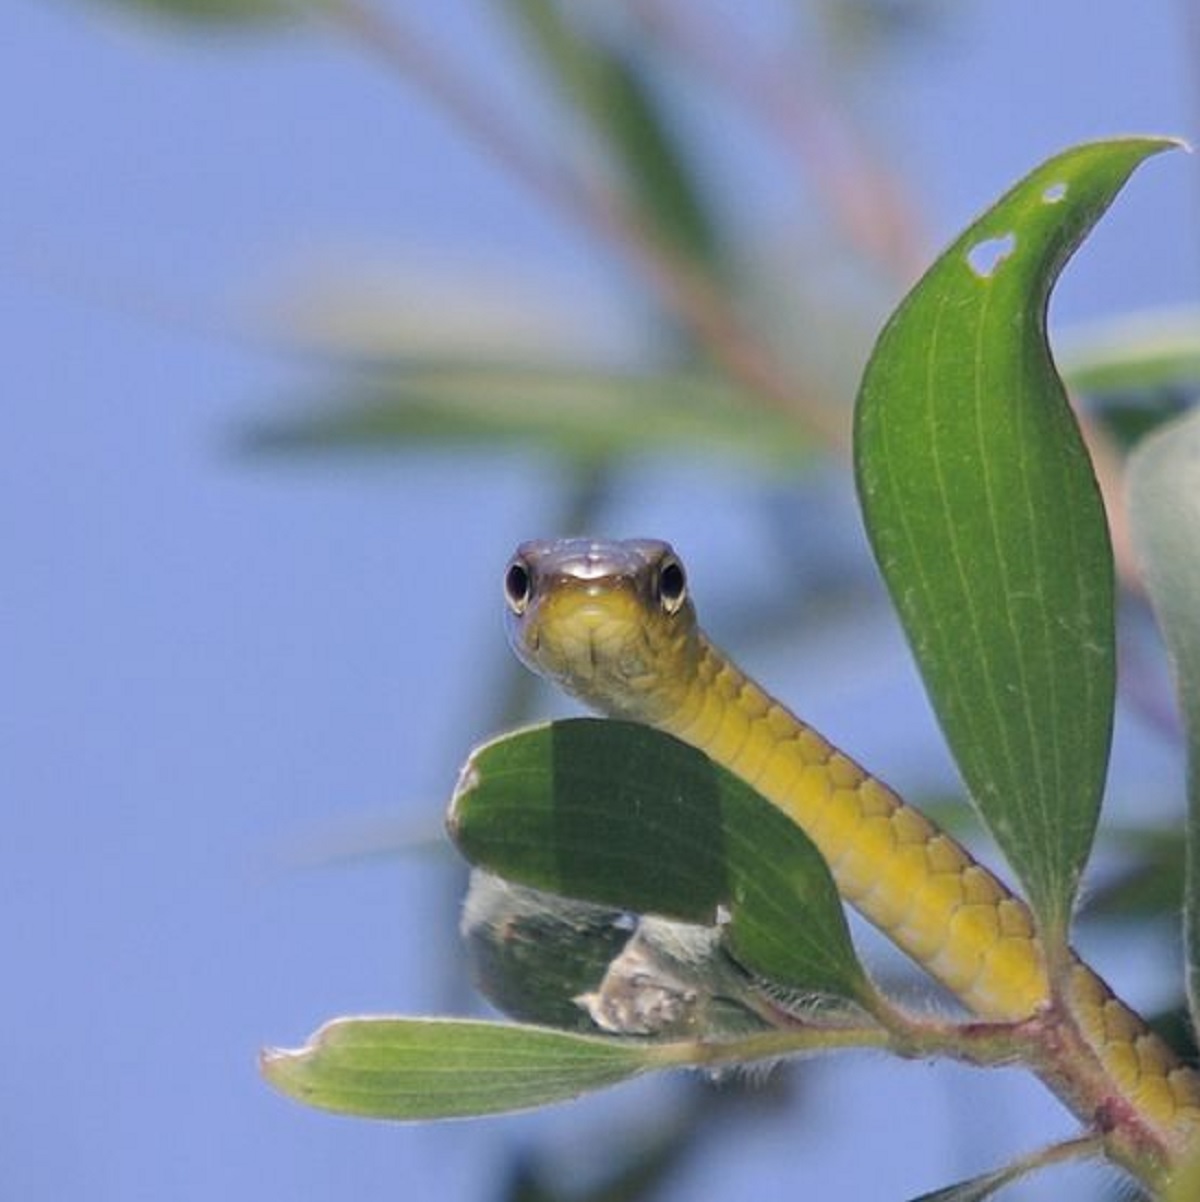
<point x="609" y="622"/>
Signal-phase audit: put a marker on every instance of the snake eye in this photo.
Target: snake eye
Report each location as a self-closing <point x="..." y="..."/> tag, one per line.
<point x="518" y="586"/>
<point x="672" y="585"/>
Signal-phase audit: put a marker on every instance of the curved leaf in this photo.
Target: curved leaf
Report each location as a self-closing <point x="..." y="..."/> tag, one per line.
<point x="1164" y="489"/>
<point x="988" y="526"/>
<point x="426" y="1068"/>
<point x="619" y="814"/>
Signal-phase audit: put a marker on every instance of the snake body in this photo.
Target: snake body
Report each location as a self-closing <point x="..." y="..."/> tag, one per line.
<point x="612" y="624"/>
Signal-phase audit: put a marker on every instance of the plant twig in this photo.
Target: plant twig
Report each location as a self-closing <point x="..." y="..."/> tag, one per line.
<point x="862" y="198"/>
<point x="680" y="285"/>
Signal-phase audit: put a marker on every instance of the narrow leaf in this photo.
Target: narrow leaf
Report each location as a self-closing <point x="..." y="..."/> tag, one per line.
<point x="588" y="415"/>
<point x="974" y="1190"/>
<point x="612" y="91"/>
<point x="1164" y="490"/>
<point x="987" y="522"/>
<point x="399" y="1068"/>
<point x="619" y="814"/>
<point x="223" y="14"/>
<point x="986" y="1185"/>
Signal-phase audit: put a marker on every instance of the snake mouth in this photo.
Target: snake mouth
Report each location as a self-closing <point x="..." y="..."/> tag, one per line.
<point x="589" y="642"/>
<point x="577" y="646"/>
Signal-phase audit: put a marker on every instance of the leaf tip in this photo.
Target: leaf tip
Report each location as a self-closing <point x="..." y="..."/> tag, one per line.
<point x="268" y="1057"/>
<point x="278" y="1067"/>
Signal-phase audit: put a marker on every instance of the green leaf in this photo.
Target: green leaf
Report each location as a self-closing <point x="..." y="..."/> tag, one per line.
<point x="613" y="92"/>
<point x="220" y="13"/>
<point x="619" y="814"/>
<point x="1174" y="1024"/>
<point x="400" y="1068"/>
<point x="987" y="523"/>
<point x="1149" y="885"/>
<point x="1164" y="491"/>
<point x="588" y="415"/>
<point x="976" y="1189"/>
<point x="1138" y="352"/>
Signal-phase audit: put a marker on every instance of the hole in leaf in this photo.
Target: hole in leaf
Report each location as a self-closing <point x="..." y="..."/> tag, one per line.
<point x="1054" y="193"/>
<point x="984" y="257"/>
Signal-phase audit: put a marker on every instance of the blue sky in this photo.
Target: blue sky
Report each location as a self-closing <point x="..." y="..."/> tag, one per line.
<point x="211" y="663"/>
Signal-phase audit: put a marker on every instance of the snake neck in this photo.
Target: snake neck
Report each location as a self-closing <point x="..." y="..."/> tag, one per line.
<point x="918" y="885"/>
<point x="892" y="864"/>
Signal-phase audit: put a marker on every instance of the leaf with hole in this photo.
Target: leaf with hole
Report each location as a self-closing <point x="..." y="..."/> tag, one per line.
<point x="987" y="522"/>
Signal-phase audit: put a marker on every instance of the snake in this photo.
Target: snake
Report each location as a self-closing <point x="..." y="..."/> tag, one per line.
<point x="612" y="623"/>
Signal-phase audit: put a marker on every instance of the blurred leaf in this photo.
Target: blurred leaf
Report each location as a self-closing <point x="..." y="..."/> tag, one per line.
<point x="609" y="87"/>
<point x="1136" y="372"/>
<point x="1127" y="420"/>
<point x="974" y="1190"/>
<point x="1175" y="1026"/>
<point x="987" y="1184"/>
<point x="399" y="1068"/>
<point x="619" y="814"/>
<point x="634" y="1154"/>
<point x="1139" y="352"/>
<point x="987" y="522"/>
<point x="1150" y="887"/>
<point x="220" y="13"/>
<point x="861" y="30"/>
<point x="1164" y="491"/>
<point x="589" y="415"/>
<point x="629" y="1165"/>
